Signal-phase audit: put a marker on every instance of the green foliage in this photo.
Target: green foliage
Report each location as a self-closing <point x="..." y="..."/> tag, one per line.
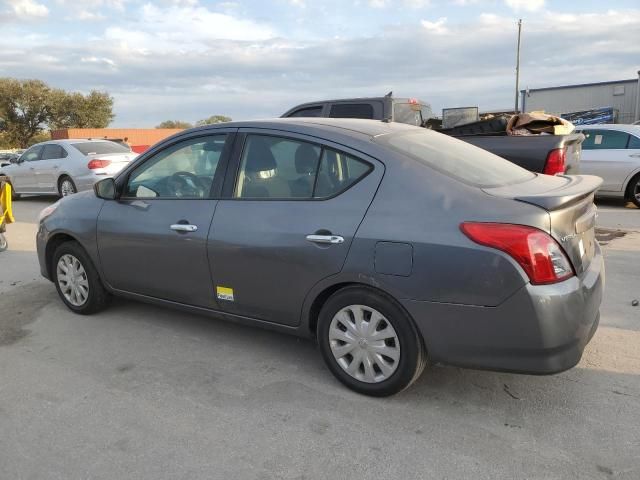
<point x="27" y="107"/>
<point x="213" y="119"/>
<point x="75" y="110"/>
<point x="174" y="124"/>
<point x="24" y="107"/>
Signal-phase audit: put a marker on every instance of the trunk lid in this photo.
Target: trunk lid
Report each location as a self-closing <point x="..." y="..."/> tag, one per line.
<point x="118" y="161"/>
<point x="572" y="214"/>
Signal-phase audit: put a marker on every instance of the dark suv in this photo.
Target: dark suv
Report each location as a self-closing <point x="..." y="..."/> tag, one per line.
<point x="403" y="110"/>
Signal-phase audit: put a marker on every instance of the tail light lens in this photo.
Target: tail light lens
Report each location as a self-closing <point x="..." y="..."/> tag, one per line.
<point x="556" y="163"/>
<point x="97" y="163"/>
<point x="536" y="252"/>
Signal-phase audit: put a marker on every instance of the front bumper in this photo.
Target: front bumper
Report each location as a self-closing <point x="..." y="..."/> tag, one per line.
<point x="42" y="237"/>
<point x="541" y="329"/>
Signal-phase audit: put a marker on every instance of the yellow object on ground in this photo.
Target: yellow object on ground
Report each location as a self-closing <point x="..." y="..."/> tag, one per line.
<point x="6" y="214"/>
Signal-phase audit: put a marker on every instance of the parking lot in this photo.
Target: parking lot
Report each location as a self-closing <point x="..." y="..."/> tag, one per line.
<point x="143" y="392"/>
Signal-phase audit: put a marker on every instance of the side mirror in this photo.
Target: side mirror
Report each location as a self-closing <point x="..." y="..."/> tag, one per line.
<point x="105" y="189"/>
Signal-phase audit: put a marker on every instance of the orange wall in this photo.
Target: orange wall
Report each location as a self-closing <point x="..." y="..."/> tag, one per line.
<point x="134" y="136"/>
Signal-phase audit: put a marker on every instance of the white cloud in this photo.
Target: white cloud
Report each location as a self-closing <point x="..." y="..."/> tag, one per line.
<point x="184" y="29"/>
<point x="528" y="5"/>
<point x="189" y="62"/>
<point x="89" y="5"/>
<point x="28" y="8"/>
<point x="436" y="27"/>
<point x="407" y="3"/>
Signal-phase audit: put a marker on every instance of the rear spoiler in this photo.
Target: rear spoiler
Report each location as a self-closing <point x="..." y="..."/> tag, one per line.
<point x="569" y="189"/>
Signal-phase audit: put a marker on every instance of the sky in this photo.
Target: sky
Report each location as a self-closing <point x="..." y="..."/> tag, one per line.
<point x="189" y="59"/>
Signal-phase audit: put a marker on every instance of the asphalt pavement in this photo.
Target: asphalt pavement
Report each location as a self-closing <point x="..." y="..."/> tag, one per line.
<point x="144" y="392"/>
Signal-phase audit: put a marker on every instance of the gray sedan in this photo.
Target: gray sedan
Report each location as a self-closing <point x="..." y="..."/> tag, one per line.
<point x="64" y="167"/>
<point x="392" y="245"/>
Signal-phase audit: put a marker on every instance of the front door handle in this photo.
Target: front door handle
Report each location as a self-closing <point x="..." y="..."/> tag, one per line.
<point x="183" y="227"/>
<point x="635" y="155"/>
<point x="325" y="239"/>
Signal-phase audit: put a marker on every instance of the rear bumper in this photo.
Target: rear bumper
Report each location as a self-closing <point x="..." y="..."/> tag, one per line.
<point x="541" y="329"/>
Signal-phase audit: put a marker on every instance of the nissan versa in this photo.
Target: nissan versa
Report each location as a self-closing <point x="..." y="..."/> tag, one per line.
<point x="392" y="245"/>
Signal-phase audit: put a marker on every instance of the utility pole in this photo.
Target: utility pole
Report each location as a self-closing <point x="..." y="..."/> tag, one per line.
<point x="518" y="65"/>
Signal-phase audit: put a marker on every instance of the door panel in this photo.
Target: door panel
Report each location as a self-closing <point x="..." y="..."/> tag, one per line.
<point x="259" y="249"/>
<point x="25" y="178"/>
<point x="48" y="167"/>
<point x="153" y="241"/>
<point x="140" y="253"/>
<point x="612" y="165"/>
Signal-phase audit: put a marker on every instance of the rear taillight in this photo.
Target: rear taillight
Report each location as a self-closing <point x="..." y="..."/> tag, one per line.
<point x="97" y="163"/>
<point x="556" y="162"/>
<point x="536" y="252"/>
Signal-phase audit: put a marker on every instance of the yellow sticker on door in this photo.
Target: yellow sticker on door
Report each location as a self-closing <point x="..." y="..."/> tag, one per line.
<point x="224" y="293"/>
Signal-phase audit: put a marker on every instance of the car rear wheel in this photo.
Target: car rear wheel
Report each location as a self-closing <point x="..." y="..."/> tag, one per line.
<point x="66" y="187"/>
<point x="369" y="343"/>
<point x="77" y="280"/>
<point x="633" y="191"/>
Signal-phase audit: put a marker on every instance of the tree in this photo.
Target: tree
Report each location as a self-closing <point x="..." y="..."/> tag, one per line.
<point x="24" y="108"/>
<point x="27" y="107"/>
<point x="213" y="119"/>
<point x="174" y="124"/>
<point x="75" y="110"/>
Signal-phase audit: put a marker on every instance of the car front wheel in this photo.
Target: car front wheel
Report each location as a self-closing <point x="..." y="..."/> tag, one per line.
<point x="369" y="343"/>
<point x="77" y="280"/>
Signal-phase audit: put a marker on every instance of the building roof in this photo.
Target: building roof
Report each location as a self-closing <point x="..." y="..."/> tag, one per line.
<point x="596" y="84"/>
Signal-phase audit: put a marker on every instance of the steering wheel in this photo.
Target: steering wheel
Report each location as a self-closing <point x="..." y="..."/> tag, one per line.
<point x="185" y="184"/>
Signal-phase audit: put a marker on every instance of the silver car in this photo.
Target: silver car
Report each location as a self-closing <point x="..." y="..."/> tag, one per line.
<point x="64" y="167"/>
<point x="392" y="245"/>
<point x="613" y="153"/>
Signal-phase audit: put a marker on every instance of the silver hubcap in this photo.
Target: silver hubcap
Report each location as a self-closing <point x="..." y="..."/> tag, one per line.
<point x="636" y="191"/>
<point x="364" y="343"/>
<point x="72" y="280"/>
<point x="67" y="188"/>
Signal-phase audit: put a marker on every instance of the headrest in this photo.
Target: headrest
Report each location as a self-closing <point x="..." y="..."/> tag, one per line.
<point x="307" y="158"/>
<point x="259" y="156"/>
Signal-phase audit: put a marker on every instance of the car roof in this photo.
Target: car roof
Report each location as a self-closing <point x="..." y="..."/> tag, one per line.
<point x="346" y="126"/>
<point x="634" y="129"/>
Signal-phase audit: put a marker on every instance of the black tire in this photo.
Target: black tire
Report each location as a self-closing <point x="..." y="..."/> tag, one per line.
<point x="633" y="190"/>
<point x="72" y="185"/>
<point x="98" y="297"/>
<point x="412" y="358"/>
<point x="3" y="242"/>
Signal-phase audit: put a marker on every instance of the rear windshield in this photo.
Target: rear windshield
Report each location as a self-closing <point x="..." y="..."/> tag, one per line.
<point x="456" y="158"/>
<point x="100" y="148"/>
<point x="411" y="113"/>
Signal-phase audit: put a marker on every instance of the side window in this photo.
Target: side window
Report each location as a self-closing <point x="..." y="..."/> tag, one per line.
<point x="275" y="167"/>
<point x="338" y="171"/>
<point x="634" y="142"/>
<point x="53" y="151"/>
<point x="604" y="139"/>
<point x="351" y="110"/>
<point x="32" y="154"/>
<point x="308" y="112"/>
<point x="183" y="170"/>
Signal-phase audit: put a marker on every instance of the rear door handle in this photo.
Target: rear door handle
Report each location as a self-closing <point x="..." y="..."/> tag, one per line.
<point x="183" y="227"/>
<point x="325" y="239"/>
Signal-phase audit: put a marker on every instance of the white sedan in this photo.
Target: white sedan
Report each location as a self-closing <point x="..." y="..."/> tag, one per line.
<point x="613" y="153"/>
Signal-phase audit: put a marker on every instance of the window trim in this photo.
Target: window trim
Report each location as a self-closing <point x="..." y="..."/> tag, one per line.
<point x="65" y="153"/>
<point x="236" y="163"/>
<point x="41" y="147"/>
<point x="351" y="104"/>
<point x="215" y="192"/>
<point x="318" y="107"/>
<point x="603" y="132"/>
